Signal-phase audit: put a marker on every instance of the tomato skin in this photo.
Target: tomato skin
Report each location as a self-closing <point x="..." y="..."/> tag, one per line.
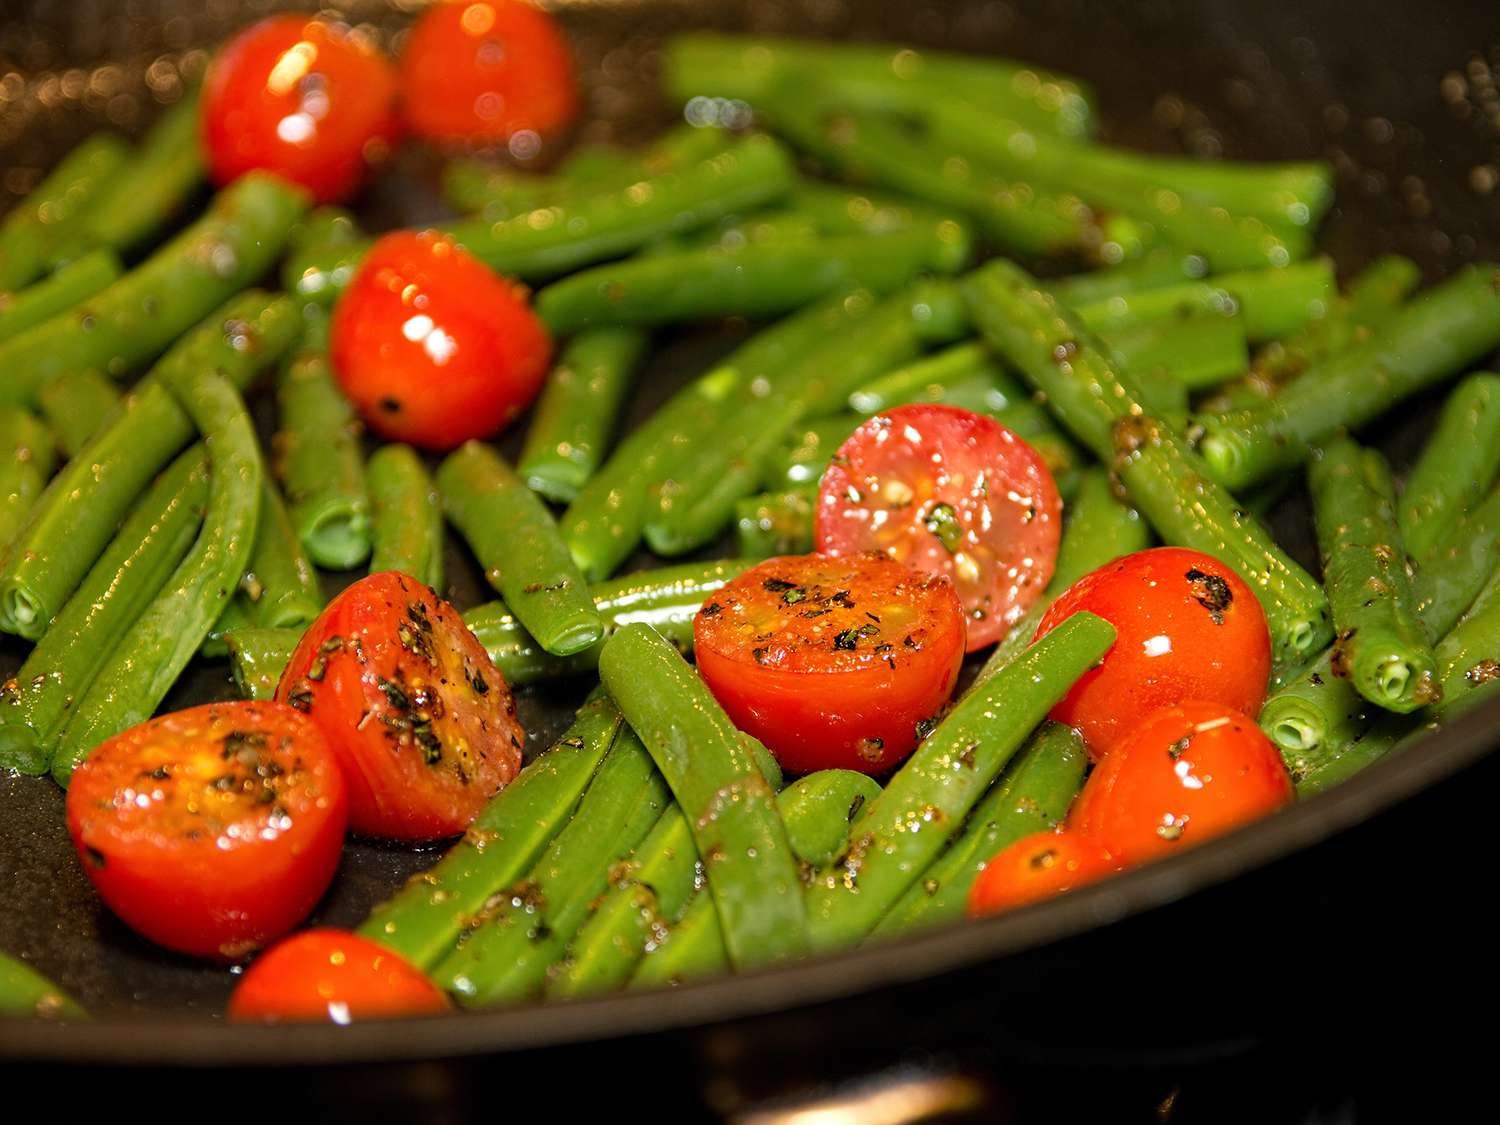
<point x="1189" y="628"/>
<point x="950" y="492"/>
<point x="1038" y="866"/>
<point x="832" y="663"/>
<point x="1188" y="773"/>
<point x="301" y="97"/>
<point x="332" y="976"/>
<point x="431" y="347"/>
<point x="198" y="864"/>
<point x="419" y="718"/>
<point x="484" y="71"/>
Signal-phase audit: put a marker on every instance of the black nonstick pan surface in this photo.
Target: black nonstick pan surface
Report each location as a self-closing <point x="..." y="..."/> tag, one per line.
<point x="1352" y="911"/>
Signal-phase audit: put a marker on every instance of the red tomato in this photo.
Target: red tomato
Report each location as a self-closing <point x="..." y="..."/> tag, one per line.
<point x="485" y="71"/>
<point x="333" y="976"/>
<point x="950" y="492"/>
<point x="1036" y="867"/>
<point x="421" y="721"/>
<point x="1186" y="774"/>
<point x="832" y="663"/>
<point x="307" y="99"/>
<point x="1189" y="628"/>
<point x="212" y="830"/>
<point x="431" y="347"/>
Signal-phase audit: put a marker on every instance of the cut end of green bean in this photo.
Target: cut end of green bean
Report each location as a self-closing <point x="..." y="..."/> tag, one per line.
<point x="1295" y="735"/>
<point x="339" y="541"/>
<point x="22" y="615"/>
<point x="576" y="633"/>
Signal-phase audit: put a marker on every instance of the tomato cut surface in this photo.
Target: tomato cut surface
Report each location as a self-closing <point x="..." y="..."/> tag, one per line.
<point x="332" y="976"/>
<point x="832" y="662"/>
<point x="212" y="830"/>
<point x="310" y="100"/>
<point x="1037" y="867"/>
<point x="1188" y="628"/>
<point x="421" y="720"/>
<point x="433" y="348"/>
<point x="949" y="492"/>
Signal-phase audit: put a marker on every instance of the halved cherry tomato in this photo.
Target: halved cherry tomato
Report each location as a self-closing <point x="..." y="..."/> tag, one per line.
<point x="431" y="347"/>
<point x="486" y="71"/>
<point x="950" y="492"/>
<point x="1036" y="867"/>
<point x="1189" y="628"/>
<point x="332" y="976"/>
<point x="212" y="830"/>
<point x="420" y="719"/>
<point x="310" y="100"/>
<point x="1186" y="774"/>
<point x="832" y="663"/>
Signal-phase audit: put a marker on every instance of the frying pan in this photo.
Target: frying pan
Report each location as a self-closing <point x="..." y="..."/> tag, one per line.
<point x="1320" y="932"/>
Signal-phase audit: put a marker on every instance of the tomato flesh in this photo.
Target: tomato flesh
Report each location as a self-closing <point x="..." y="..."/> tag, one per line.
<point x="332" y="976"/>
<point x="1188" y="628"/>
<point x="431" y="347"/>
<point x="950" y="492"/>
<point x="832" y="662"/>
<point x="1038" y="866"/>
<point x="419" y="717"/>
<point x="211" y="830"/>
<point x="1188" y="773"/>
<point x="309" y="100"/>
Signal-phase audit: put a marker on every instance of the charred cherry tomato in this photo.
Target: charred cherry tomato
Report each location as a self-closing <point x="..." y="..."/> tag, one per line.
<point x="332" y="976"/>
<point x="309" y="100"/>
<point x="421" y="721"/>
<point x="1186" y="774"/>
<point x="832" y="663"/>
<point x="212" y="830"/>
<point x="949" y="492"/>
<point x="431" y="347"/>
<point x="1037" y="867"/>
<point x="1189" y="628"/>
<point x="487" y="71"/>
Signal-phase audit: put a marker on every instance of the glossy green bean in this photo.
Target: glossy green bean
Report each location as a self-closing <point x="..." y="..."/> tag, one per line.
<point x="26" y="994"/>
<point x="46" y="221"/>
<point x="837" y="209"/>
<point x="775" y="523"/>
<point x="77" y="405"/>
<point x="1194" y="352"/>
<point x="1458" y="465"/>
<point x="279" y="587"/>
<point x="73" y="283"/>
<point x="1156" y="269"/>
<point x="324" y="253"/>
<point x="819" y="809"/>
<point x="928" y="379"/>
<point x="29" y="456"/>
<point x="258" y="657"/>
<point x="406" y="515"/>
<point x="801" y="456"/>
<point x="154" y="187"/>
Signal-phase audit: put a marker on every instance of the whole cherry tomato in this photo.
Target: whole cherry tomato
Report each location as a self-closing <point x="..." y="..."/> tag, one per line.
<point x="1189" y="628"/>
<point x="1186" y="774"/>
<point x="950" y="492"/>
<point x="307" y="99"/>
<point x="1036" y="867"/>
<point x="832" y="662"/>
<point x="431" y="347"/>
<point x="212" y="830"/>
<point x="420" y="719"/>
<point x="332" y="976"/>
<point x="487" y="70"/>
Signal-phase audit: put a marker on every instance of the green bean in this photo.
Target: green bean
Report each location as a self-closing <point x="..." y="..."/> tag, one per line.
<point x="424" y="918"/>
<point x="138" y="316"/>
<point x="926" y="379"/>
<point x="799" y="459"/>
<point x="571" y="425"/>
<point x="118" y="588"/>
<point x="323" y="254"/>
<point x="80" y="510"/>
<point x="1421" y="344"/>
<point x="154" y="186"/>
<point x="1032" y="795"/>
<point x="318" y="456"/>
<point x="513" y="536"/>
<point x="235" y="617"/>
<point x="752" y="872"/>
<point x="1458" y="465"/>
<point x="26" y="994"/>
<point x="773" y="227"/>
<point x="818" y="810"/>
<point x="839" y="210"/>
<point x="505" y="952"/>
<point x="77" y="405"/>
<point x="36" y="228"/>
<point x="1156" y="269"/>
<point x="29" y="457"/>
<point x="257" y="658"/>
<point x="1195" y="352"/>
<point x="929" y="796"/>
<point x="73" y="283"/>
<point x="406" y="525"/>
<point x="279" y="587"/>
<point x="775" y="523"/>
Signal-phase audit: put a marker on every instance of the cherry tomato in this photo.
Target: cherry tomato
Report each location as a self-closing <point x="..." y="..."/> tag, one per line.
<point x="420" y="719"/>
<point x="1036" y="867"/>
<point x="332" y="976"/>
<point x="950" y="492"/>
<point x="309" y="100"/>
<point x="431" y="347"/>
<point x="832" y="662"/>
<point x="1186" y="774"/>
<point x="1189" y="628"/>
<point x="212" y="830"/>
<point x="487" y="71"/>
